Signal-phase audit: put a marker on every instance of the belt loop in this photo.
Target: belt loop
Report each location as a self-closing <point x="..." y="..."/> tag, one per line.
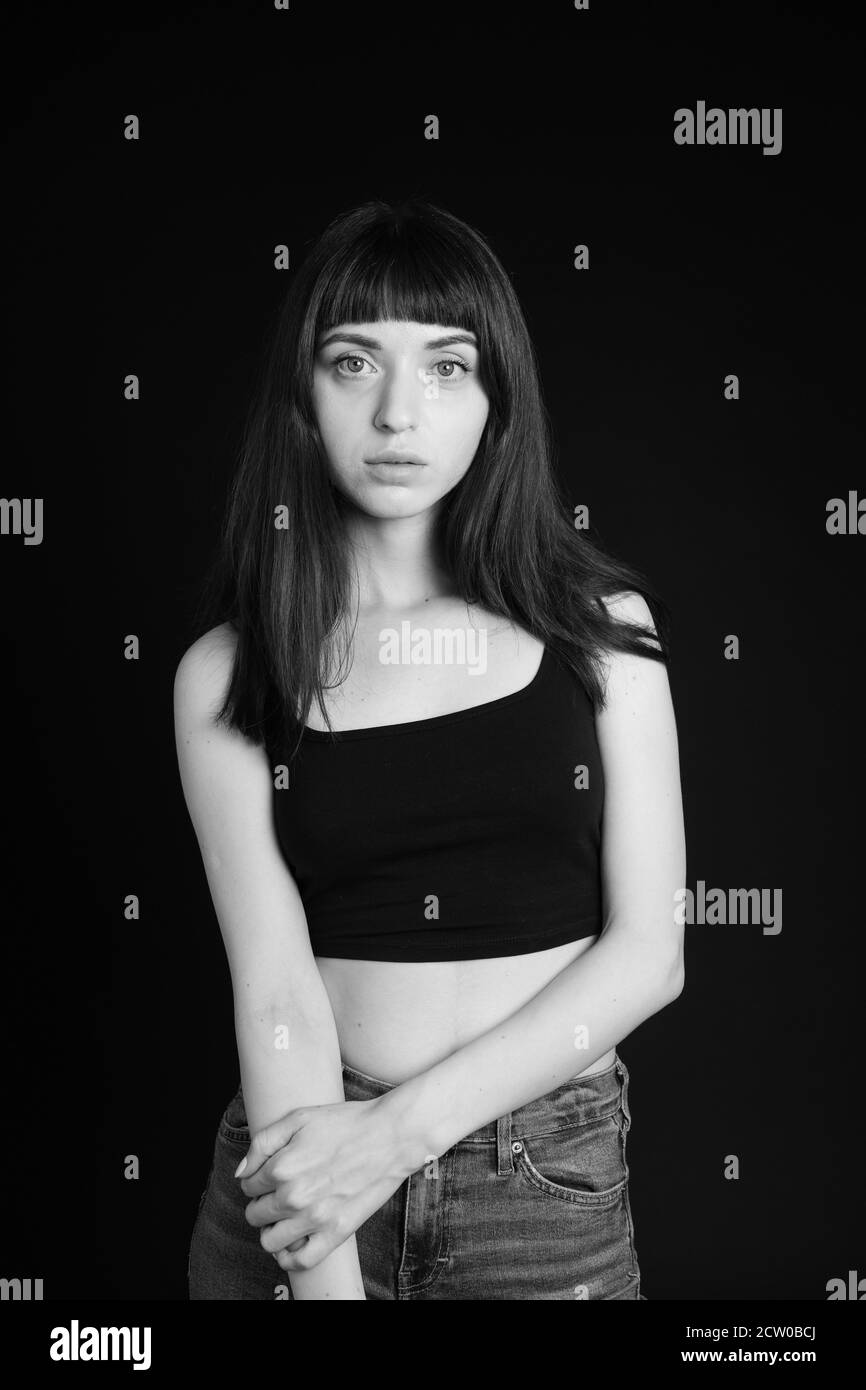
<point x="504" y="1161"/>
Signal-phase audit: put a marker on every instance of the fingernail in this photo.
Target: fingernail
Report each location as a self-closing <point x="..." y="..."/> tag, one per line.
<point x="240" y="1168"/>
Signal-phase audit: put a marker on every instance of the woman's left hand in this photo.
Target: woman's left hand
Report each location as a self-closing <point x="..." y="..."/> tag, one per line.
<point x="320" y="1172"/>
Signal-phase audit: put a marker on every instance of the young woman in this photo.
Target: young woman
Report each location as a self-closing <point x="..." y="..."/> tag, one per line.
<point x="428" y="748"/>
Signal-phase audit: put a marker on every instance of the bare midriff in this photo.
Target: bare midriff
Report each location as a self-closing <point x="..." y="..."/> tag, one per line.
<point x="396" y="1019"/>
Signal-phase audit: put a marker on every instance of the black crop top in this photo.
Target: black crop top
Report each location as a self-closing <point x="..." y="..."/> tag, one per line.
<point x="459" y="837"/>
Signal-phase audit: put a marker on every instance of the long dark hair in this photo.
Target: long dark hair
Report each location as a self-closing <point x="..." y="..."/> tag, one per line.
<point x="505" y="531"/>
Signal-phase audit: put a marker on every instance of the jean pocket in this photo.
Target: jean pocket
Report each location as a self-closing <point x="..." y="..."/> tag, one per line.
<point x="233" y="1127"/>
<point x="582" y="1163"/>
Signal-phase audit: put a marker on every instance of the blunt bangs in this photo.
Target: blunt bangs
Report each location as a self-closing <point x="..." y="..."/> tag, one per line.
<point x="407" y="273"/>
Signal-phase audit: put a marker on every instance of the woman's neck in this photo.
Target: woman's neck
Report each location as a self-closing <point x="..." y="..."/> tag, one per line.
<point x="397" y="567"/>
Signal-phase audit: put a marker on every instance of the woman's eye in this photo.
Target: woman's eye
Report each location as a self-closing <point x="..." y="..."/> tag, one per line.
<point x="350" y="357"/>
<point x="452" y="362"/>
<point x="449" y="362"/>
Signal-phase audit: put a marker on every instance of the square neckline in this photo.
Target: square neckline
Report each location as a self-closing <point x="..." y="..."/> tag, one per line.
<point x="434" y="720"/>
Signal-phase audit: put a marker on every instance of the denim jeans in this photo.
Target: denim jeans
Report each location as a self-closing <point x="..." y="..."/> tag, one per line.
<point x="534" y="1205"/>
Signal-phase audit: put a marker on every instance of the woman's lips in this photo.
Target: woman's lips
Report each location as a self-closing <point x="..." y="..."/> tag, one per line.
<point x="394" y="470"/>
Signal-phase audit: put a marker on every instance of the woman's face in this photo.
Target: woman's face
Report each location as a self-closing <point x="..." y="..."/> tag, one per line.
<point x="405" y="390"/>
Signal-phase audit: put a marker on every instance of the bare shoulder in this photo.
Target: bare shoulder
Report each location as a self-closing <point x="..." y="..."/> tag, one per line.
<point x="225" y="775"/>
<point x="631" y="678"/>
<point x="201" y="682"/>
<point x="204" y="671"/>
<point x="630" y="607"/>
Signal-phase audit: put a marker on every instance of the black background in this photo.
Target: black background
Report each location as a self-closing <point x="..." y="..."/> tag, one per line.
<point x="156" y="258"/>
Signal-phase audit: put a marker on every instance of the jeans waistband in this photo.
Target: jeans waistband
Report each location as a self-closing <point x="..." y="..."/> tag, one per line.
<point x="580" y="1100"/>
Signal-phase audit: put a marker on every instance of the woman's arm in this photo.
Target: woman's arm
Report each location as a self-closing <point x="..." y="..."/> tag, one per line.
<point x="288" y="1048"/>
<point x="634" y="969"/>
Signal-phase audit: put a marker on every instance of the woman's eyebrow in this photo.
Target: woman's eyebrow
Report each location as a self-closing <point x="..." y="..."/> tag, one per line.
<point x="363" y="341"/>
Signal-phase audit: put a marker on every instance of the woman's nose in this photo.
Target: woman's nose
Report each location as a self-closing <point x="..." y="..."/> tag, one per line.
<point x="400" y="401"/>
